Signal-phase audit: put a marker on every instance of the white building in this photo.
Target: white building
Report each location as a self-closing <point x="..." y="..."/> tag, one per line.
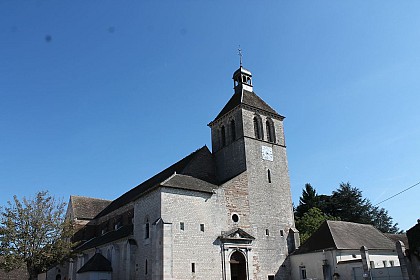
<point x="333" y="252"/>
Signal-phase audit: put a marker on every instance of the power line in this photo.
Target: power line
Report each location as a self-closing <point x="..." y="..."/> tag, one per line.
<point x="398" y="193"/>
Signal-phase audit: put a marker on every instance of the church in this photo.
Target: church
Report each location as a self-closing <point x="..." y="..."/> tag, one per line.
<point x="220" y="214"/>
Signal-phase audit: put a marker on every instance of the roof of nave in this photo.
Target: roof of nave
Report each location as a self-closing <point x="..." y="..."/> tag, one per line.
<point x="247" y="98"/>
<point x="186" y="182"/>
<point x="86" y="208"/>
<point x="197" y="168"/>
<point x="108" y="237"/>
<point x="346" y="236"/>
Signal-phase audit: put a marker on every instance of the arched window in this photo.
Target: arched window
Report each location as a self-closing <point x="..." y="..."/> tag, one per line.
<point x="232" y="130"/>
<point x="257" y="127"/>
<point x="271" y="135"/>
<point x="223" y="134"/>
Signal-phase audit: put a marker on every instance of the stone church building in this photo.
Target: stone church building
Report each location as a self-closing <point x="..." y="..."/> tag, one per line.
<point x="220" y="214"/>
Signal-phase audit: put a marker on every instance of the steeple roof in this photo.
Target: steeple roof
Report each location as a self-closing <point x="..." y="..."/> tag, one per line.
<point x="245" y="97"/>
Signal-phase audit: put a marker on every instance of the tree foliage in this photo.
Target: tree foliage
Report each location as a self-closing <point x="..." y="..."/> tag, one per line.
<point x="34" y="233"/>
<point x="350" y="205"/>
<point x="308" y="200"/>
<point x="310" y="222"/>
<point x="346" y="203"/>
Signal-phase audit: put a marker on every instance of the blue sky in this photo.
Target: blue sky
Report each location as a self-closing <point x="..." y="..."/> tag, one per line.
<point x="97" y="96"/>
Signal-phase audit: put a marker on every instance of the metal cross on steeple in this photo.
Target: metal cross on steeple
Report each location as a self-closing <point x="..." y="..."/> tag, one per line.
<point x="240" y="55"/>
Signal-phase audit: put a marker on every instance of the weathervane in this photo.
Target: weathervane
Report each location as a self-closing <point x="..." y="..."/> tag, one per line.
<point x="240" y="55"/>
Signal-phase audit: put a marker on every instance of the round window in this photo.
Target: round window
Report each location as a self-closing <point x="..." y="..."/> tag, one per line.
<point x="235" y="218"/>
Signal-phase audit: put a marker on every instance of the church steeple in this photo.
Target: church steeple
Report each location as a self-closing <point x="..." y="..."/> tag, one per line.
<point x="242" y="78"/>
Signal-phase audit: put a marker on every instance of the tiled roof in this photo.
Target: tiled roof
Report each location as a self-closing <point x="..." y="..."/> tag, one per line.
<point x="247" y="98"/>
<point x="86" y="208"/>
<point x="106" y="238"/>
<point x="179" y="181"/>
<point x="97" y="263"/>
<point x="199" y="165"/>
<point x="396" y="237"/>
<point x="346" y="235"/>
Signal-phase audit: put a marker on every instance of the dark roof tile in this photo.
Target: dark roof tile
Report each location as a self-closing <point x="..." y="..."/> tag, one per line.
<point x="247" y="98"/>
<point x="179" y="181"/>
<point x="398" y="237"/>
<point x="199" y="164"/>
<point x="346" y="235"/>
<point x="86" y="208"/>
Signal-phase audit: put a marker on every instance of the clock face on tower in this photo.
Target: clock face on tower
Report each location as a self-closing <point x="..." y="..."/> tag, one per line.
<point x="267" y="153"/>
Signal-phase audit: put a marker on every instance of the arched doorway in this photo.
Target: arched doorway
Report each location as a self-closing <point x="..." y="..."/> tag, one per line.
<point x="237" y="266"/>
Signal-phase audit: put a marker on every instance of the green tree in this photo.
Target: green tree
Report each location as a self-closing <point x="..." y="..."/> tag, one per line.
<point x="350" y="205"/>
<point x="308" y="200"/>
<point x="382" y="221"/>
<point x="34" y="233"/>
<point x="310" y="222"/>
<point x="346" y="203"/>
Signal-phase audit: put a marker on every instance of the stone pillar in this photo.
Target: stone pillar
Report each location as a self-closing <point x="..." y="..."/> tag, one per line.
<point x="167" y="251"/>
<point x="403" y="260"/>
<point x="365" y="262"/>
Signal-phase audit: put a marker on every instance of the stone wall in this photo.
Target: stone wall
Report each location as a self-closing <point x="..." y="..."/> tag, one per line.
<point x="194" y="243"/>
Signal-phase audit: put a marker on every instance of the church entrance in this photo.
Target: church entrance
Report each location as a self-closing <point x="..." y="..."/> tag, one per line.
<point x="237" y="266"/>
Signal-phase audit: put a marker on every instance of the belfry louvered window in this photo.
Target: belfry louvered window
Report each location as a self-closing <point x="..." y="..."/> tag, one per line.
<point x="258" y="127"/>
<point x="271" y="135"/>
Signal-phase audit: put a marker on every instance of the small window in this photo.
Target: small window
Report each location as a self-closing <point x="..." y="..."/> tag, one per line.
<point x="223" y="133"/>
<point x="202" y="227"/>
<point x="267" y="232"/>
<point x="269" y="175"/>
<point x="391" y="263"/>
<point x="281" y="233"/>
<point x="193" y="267"/>
<point x="302" y="272"/>
<point x="118" y="223"/>
<point x="270" y="277"/>
<point x="232" y="130"/>
<point x="147" y="229"/>
<point x="145" y="267"/>
<point x="385" y="263"/>
<point x="181" y="225"/>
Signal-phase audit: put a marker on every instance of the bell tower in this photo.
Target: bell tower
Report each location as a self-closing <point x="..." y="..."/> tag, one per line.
<point x="249" y="148"/>
<point x="242" y="79"/>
